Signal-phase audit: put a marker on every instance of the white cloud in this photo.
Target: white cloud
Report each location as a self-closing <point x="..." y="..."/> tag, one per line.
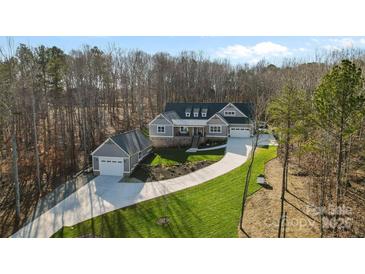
<point x="340" y="43"/>
<point x="344" y="42"/>
<point x="330" y="47"/>
<point x="301" y="49"/>
<point x="235" y="52"/>
<point x="362" y="41"/>
<point x="269" y="48"/>
<point x="254" y="53"/>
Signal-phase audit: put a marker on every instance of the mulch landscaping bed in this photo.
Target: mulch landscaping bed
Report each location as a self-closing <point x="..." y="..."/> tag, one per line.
<point x="149" y="173"/>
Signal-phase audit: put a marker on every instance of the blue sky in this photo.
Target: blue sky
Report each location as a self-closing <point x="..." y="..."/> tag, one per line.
<point x="237" y="49"/>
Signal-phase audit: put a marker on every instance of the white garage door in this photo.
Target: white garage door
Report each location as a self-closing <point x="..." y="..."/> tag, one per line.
<point x="111" y="166"/>
<point x="239" y="132"/>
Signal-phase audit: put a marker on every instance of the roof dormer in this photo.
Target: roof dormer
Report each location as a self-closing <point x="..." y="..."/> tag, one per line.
<point x="204" y="112"/>
<point x="196" y="112"/>
<point x="187" y="112"/>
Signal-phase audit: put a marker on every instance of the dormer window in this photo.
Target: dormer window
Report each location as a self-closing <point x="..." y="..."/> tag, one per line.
<point x="229" y="113"/>
<point x="196" y="112"/>
<point x="204" y="112"/>
<point x="187" y="112"/>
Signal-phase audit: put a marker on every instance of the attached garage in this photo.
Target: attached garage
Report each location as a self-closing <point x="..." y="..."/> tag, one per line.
<point x="240" y="132"/>
<point x="111" y="166"/>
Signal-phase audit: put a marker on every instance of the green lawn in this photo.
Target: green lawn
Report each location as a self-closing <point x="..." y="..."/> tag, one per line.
<point x="173" y="156"/>
<point x="211" y="209"/>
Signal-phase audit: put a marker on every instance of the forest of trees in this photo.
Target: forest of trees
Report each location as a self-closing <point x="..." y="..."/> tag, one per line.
<point x="322" y="132"/>
<point x="56" y="107"/>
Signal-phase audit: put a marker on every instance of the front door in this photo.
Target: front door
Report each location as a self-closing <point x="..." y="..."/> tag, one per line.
<point x="197" y="131"/>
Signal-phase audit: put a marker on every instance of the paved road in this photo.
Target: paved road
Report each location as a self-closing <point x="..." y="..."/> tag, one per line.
<point x="105" y="193"/>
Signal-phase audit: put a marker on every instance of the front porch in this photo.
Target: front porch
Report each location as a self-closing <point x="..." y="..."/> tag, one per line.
<point x="189" y="131"/>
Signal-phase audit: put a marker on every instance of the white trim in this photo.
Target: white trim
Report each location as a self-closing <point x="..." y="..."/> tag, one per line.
<point x="166" y="118"/>
<point x="220" y="126"/>
<point x="92" y="153"/>
<point x="177" y="126"/>
<point x="93" y="162"/>
<point x="220" y="117"/>
<point x="230" y="104"/>
<point x="120" y="147"/>
<point x="124" y="159"/>
<point x="161" y="127"/>
<point x="157" y="118"/>
<point x="189" y="122"/>
<point x="161" y="136"/>
<point x="240" y="128"/>
<point x="204" y="114"/>
<point x="233" y="113"/>
<point x="211" y="136"/>
<point x="110" y="159"/>
<point x="187" y="114"/>
<point x="157" y="125"/>
<point x="186" y="131"/>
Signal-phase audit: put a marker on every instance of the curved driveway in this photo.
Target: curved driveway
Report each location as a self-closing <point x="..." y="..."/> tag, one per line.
<point x="105" y="193"/>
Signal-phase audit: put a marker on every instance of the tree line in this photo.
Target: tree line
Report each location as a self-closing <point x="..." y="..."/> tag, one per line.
<point x="322" y="132"/>
<point x="56" y="107"/>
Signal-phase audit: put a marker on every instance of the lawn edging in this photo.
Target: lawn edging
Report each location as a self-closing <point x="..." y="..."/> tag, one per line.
<point x="211" y="209"/>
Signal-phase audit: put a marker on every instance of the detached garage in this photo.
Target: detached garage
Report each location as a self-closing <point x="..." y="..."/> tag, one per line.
<point x="121" y="153"/>
<point x="111" y="166"/>
<point x="240" y="132"/>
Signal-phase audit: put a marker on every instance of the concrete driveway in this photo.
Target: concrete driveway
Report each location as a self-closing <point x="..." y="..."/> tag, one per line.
<point x="104" y="193"/>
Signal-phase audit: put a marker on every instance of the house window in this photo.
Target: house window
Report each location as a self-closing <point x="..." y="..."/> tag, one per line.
<point x="215" y="129"/>
<point x="196" y="114"/>
<point x="204" y="114"/>
<point x="229" y="113"/>
<point x="183" y="129"/>
<point x="187" y="114"/>
<point x="160" y="129"/>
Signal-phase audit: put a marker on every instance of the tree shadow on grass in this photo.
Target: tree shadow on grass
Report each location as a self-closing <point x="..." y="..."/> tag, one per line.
<point x="141" y="220"/>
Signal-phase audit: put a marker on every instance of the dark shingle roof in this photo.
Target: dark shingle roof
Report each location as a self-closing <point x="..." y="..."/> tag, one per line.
<point x="237" y="120"/>
<point x="213" y="108"/>
<point x="132" y="141"/>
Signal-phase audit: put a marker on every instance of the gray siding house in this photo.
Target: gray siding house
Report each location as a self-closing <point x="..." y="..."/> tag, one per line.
<point x="181" y="123"/>
<point x="121" y="153"/>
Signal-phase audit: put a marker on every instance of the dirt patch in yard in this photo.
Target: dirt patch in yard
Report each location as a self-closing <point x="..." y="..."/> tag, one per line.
<point x="149" y="173"/>
<point x="263" y="208"/>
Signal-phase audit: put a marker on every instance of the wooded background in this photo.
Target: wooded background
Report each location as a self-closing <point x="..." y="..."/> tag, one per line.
<point x="57" y="107"/>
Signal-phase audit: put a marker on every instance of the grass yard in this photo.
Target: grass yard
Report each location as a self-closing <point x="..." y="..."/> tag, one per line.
<point x="173" y="156"/>
<point x="211" y="209"/>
